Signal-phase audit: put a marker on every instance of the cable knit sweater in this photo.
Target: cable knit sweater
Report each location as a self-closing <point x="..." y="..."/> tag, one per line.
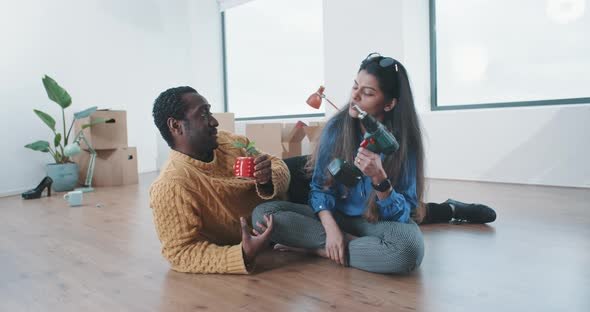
<point x="197" y="208"/>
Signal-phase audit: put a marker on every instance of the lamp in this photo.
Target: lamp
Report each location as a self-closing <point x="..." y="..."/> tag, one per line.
<point x="315" y="100"/>
<point x="74" y="149"/>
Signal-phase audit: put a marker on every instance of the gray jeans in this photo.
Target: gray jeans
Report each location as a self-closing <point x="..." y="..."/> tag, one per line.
<point x="382" y="247"/>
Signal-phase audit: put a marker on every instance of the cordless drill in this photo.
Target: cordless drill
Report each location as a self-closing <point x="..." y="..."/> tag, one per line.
<point x="377" y="139"/>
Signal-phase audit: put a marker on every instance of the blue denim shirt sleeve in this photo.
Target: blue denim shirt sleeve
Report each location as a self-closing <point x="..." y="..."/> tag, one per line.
<point x="321" y="198"/>
<point x="398" y="205"/>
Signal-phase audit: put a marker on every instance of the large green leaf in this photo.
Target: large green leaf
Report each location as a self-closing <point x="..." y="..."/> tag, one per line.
<point x="42" y="146"/>
<point x="56" y="93"/>
<point x="97" y="121"/>
<point x="57" y="139"/>
<point x="48" y="120"/>
<point x="85" y="113"/>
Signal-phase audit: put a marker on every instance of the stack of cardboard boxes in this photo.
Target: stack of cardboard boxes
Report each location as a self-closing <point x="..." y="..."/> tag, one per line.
<point x="283" y="140"/>
<point x="115" y="163"/>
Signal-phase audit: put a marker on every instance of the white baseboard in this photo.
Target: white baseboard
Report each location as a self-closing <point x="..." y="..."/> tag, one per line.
<point x="12" y="192"/>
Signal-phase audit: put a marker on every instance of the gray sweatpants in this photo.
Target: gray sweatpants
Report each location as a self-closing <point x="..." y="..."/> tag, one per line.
<point x="382" y="247"/>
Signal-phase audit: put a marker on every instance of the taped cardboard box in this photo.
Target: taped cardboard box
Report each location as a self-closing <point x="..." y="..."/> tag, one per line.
<point x="313" y="131"/>
<point x="112" y="167"/>
<point x="110" y="135"/>
<point x="292" y="135"/>
<point x="227" y="121"/>
<point x="281" y="140"/>
<point x="266" y="136"/>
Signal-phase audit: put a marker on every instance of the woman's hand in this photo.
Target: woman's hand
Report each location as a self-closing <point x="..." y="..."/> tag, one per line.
<point x="370" y="164"/>
<point x="336" y="244"/>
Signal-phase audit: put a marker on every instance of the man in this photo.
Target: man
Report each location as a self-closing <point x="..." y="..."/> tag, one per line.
<point x="199" y="206"/>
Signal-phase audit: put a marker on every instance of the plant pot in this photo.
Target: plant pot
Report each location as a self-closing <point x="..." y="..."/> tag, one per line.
<point x="244" y="167"/>
<point x="65" y="176"/>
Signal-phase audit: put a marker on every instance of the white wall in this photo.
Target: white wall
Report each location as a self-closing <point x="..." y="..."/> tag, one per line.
<point x="532" y="145"/>
<point x="349" y="36"/>
<point x="108" y="53"/>
<point x="206" y="61"/>
<point x="206" y="52"/>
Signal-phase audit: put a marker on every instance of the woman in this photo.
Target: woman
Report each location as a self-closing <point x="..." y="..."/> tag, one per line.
<point x="382" y="90"/>
<point x="367" y="226"/>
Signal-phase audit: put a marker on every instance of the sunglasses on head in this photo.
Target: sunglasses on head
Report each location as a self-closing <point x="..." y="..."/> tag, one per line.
<point x="384" y="62"/>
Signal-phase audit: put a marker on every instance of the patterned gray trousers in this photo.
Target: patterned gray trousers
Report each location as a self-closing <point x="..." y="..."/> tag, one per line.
<point x="382" y="247"/>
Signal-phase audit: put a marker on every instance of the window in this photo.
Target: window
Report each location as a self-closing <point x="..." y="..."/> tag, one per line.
<point x="497" y="53"/>
<point x="273" y="57"/>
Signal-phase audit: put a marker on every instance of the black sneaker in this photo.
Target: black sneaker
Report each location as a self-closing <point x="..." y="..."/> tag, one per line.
<point x="472" y="213"/>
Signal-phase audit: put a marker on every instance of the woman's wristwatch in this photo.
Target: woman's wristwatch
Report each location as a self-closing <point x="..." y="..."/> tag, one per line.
<point x="383" y="186"/>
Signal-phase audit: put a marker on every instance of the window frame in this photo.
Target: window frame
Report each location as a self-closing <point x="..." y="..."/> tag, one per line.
<point x="433" y="80"/>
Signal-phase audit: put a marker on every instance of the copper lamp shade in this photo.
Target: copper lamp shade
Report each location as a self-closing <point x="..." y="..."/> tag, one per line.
<point x="315" y="100"/>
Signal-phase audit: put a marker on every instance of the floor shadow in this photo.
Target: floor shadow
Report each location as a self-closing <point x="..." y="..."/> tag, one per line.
<point x="475" y="229"/>
<point x="273" y="260"/>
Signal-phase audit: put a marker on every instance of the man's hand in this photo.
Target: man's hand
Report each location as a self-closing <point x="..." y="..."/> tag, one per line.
<point x="252" y="245"/>
<point x="262" y="169"/>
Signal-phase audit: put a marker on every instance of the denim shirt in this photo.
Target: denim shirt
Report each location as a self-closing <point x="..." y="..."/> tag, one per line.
<point x="396" y="207"/>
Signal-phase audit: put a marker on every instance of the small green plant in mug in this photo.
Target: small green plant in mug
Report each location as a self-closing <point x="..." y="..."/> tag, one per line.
<point x="250" y="149"/>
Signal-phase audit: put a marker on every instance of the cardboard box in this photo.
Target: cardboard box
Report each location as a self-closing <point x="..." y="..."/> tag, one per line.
<point x="266" y="137"/>
<point x="112" y="167"/>
<point x="226" y="121"/>
<point x="281" y="140"/>
<point x="109" y="135"/>
<point x="292" y="135"/>
<point x="313" y="132"/>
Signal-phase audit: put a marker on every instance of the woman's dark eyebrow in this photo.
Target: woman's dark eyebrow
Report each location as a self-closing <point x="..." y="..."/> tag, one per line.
<point x="356" y="83"/>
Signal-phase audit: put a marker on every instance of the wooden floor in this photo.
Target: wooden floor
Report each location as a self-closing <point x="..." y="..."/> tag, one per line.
<point x="105" y="256"/>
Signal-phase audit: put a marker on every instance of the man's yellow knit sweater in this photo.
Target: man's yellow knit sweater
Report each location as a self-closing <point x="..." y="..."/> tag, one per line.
<point x="197" y="208"/>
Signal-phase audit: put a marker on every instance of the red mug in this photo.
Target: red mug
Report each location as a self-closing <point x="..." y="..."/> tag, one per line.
<point x="244" y="167"/>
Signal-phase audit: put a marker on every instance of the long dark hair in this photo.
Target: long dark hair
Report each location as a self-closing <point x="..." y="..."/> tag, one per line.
<point x="402" y="121"/>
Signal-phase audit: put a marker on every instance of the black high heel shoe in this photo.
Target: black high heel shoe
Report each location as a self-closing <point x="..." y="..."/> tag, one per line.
<point x="36" y="192"/>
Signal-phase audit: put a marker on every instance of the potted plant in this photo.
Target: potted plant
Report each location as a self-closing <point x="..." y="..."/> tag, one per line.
<point x="63" y="172"/>
<point x="244" y="166"/>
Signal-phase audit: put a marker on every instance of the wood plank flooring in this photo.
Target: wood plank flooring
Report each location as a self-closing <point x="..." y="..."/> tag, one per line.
<point x="105" y="256"/>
